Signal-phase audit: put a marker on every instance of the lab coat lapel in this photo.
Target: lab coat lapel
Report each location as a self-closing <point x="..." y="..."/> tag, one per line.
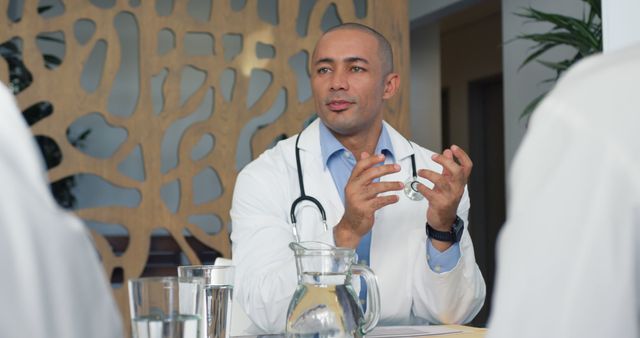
<point x="317" y="178"/>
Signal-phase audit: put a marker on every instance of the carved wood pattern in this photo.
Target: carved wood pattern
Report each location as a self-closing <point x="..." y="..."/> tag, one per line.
<point x="61" y="86"/>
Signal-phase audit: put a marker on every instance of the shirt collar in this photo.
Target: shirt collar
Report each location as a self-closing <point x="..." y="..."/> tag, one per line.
<point x="329" y="145"/>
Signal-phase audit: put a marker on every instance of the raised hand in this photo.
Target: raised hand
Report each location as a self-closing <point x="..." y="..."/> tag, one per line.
<point x="448" y="187"/>
<point x="362" y="198"/>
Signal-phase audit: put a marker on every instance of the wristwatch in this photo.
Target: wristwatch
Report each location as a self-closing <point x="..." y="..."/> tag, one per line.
<point x="453" y="235"/>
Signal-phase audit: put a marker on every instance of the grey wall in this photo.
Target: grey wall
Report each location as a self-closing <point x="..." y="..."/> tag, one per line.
<point x="420" y="8"/>
<point x="425" y="12"/>
<point x="425" y="105"/>
<point x="522" y="86"/>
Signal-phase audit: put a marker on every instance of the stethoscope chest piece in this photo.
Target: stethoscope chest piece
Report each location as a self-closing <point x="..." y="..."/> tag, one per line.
<point x="411" y="189"/>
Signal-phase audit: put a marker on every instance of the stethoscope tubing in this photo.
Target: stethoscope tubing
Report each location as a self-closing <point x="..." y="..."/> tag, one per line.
<point x="410" y="190"/>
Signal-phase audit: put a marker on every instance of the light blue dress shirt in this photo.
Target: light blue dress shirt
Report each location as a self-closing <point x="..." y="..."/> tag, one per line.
<point x="340" y="163"/>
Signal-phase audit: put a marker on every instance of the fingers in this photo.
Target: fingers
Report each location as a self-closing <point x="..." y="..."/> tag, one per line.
<point x="383" y="201"/>
<point x="436" y="199"/>
<point x="366" y="161"/>
<point x="448" y="153"/>
<point x="366" y="170"/>
<point x="377" y="172"/>
<point x="438" y="180"/>
<point x="448" y="161"/>
<point x="380" y="187"/>
<point x="465" y="160"/>
<point x="429" y="194"/>
<point x="449" y="165"/>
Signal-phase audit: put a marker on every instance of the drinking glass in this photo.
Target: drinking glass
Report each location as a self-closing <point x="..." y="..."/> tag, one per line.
<point x="165" y="307"/>
<point x="217" y="297"/>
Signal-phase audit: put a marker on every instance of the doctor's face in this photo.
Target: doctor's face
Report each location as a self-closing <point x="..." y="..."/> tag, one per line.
<point x="348" y="83"/>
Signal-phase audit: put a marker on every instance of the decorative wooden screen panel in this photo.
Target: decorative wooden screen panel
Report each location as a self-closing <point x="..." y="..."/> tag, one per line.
<point x="159" y="84"/>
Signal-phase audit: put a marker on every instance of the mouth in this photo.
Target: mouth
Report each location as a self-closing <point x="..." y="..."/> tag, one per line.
<point x="339" y="105"/>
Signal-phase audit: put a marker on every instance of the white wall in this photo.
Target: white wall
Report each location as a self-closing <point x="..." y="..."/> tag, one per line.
<point x="522" y="86"/>
<point x="426" y="117"/>
<point x="620" y="26"/>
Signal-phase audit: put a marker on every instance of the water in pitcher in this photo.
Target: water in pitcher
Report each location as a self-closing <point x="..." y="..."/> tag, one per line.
<point x="180" y="326"/>
<point x="324" y="304"/>
<point x="329" y="310"/>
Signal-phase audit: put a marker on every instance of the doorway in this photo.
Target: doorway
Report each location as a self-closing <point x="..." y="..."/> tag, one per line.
<point x="487" y="181"/>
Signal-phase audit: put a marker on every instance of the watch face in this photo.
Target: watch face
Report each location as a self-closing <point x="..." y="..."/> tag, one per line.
<point x="458" y="224"/>
<point x="458" y="228"/>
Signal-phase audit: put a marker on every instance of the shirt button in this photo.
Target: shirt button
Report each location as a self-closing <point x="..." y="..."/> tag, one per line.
<point x="438" y="268"/>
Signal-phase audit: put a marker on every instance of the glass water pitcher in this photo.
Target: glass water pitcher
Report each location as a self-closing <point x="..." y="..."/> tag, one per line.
<point x="325" y="304"/>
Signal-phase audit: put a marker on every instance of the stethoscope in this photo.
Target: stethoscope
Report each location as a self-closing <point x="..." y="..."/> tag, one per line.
<point x="410" y="190"/>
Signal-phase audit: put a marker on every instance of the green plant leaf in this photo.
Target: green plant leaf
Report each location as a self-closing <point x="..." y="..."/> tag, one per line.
<point x="584" y="34"/>
<point x="540" y="50"/>
<point x="560" y="38"/>
<point x="559" y="21"/>
<point x="557" y="66"/>
<point x="528" y="110"/>
<point x="595" y="9"/>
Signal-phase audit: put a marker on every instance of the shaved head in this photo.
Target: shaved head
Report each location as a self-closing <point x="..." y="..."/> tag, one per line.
<point x="384" y="47"/>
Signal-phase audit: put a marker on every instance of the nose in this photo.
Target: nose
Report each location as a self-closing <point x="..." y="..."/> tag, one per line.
<point x="339" y="80"/>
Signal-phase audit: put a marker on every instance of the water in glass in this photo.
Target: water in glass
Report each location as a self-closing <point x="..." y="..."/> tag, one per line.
<point x="217" y="301"/>
<point x="218" y="306"/>
<point x="180" y="326"/>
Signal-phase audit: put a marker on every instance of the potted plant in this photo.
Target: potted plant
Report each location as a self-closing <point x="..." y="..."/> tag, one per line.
<point x="584" y="34"/>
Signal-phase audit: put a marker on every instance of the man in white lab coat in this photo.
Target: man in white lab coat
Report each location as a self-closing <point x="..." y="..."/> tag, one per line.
<point x="52" y="283"/>
<point x="569" y="254"/>
<point x="356" y="166"/>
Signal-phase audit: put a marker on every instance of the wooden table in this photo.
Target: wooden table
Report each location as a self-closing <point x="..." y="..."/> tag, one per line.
<point x="468" y="332"/>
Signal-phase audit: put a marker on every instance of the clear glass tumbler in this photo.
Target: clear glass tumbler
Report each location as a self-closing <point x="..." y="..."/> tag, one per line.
<point x="165" y="307"/>
<point x="217" y="297"/>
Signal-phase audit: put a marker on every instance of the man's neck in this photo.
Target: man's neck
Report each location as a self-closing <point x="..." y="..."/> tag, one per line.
<point x="363" y="141"/>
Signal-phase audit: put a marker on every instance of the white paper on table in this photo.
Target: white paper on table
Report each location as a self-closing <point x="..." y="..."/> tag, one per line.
<point x="409" y="331"/>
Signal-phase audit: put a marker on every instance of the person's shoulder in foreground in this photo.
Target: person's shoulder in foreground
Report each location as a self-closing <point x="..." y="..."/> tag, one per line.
<point x="52" y="282"/>
<point x="568" y="255"/>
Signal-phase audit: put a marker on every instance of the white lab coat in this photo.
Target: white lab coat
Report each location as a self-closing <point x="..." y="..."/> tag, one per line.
<point x="569" y="254"/>
<point x="266" y="273"/>
<point x="52" y="283"/>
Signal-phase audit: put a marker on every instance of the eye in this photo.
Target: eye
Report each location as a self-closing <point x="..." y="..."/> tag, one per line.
<point x="357" y="69"/>
<point x="322" y="70"/>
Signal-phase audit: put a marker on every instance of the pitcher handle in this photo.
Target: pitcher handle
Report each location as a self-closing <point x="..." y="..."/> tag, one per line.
<point x="373" y="297"/>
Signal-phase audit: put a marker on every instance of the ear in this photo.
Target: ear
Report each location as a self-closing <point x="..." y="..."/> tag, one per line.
<point x="391" y="85"/>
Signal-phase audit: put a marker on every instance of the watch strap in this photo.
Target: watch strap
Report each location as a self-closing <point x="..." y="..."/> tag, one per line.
<point x="452" y="235"/>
